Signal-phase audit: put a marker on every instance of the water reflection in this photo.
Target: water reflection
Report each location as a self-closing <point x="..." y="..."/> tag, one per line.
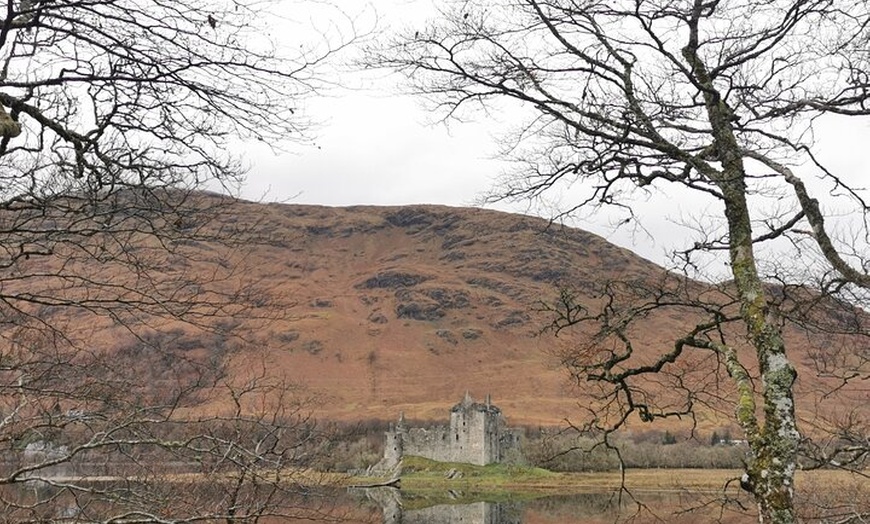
<point x="480" y="512"/>
<point x="605" y="507"/>
<point x="474" y="513"/>
<point x="42" y="502"/>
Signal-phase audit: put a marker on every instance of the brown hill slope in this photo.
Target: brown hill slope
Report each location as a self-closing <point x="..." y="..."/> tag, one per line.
<point x="406" y="308"/>
<point x="394" y="309"/>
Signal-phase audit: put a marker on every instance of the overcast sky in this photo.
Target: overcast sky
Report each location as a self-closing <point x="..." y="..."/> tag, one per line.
<point x="376" y="146"/>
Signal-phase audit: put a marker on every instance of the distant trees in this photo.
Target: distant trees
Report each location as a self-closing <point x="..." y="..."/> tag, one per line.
<point x="112" y="115"/>
<point x="564" y="451"/>
<point x="714" y="101"/>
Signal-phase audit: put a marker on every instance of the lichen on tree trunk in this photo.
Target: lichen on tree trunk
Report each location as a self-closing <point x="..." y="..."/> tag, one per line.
<point x="771" y="465"/>
<point x="773" y="444"/>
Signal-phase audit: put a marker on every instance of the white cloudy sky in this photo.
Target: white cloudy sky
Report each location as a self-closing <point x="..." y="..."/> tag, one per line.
<point x="376" y="146"/>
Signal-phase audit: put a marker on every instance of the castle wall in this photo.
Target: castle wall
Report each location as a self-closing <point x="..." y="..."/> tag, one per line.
<point x="476" y="435"/>
<point x="431" y="443"/>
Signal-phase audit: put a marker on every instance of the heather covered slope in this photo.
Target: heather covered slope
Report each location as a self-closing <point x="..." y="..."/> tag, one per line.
<point x="388" y="309"/>
<point x="406" y="308"/>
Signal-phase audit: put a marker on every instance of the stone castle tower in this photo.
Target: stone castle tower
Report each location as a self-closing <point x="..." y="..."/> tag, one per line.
<point x="477" y="434"/>
<point x="394" y="446"/>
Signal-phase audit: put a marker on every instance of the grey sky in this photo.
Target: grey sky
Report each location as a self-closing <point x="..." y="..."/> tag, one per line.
<point x="378" y="147"/>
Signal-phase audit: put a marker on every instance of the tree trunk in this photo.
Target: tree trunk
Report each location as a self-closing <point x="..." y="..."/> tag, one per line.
<point x="773" y="446"/>
<point x="771" y="467"/>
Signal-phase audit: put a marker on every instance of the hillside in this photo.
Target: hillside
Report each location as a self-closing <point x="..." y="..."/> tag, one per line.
<point x="389" y="309"/>
<point x="406" y="308"/>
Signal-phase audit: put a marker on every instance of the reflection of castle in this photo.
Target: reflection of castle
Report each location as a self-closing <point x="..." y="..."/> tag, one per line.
<point x="475" y="513"/>
<point x="477" y="435"/>
<point x="390" y="501"/>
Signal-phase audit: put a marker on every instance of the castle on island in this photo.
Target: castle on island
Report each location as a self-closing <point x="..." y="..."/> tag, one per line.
<point x="477" y="434"/>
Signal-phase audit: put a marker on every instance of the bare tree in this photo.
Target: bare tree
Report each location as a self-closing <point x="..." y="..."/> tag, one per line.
<point x="630" y="99"/>
<point x="97" y="439"/>
<point x="120" y="291"/>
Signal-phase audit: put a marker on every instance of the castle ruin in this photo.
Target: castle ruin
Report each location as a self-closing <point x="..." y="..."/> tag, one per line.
<point x="477" y="434"/>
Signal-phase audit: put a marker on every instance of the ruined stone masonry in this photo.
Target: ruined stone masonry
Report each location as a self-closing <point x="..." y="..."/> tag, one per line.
<point x="477" y="434"/>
